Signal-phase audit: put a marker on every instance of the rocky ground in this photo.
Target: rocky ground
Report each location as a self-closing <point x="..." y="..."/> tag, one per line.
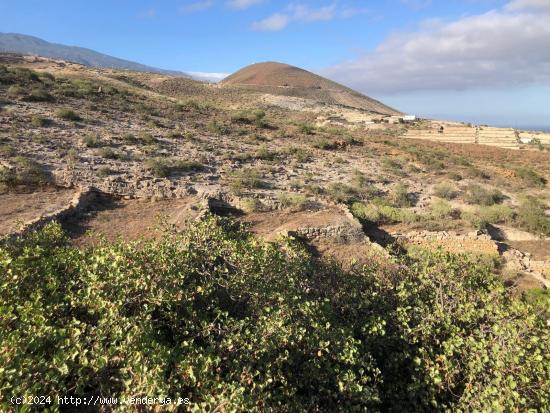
<point x="152" y="148"/>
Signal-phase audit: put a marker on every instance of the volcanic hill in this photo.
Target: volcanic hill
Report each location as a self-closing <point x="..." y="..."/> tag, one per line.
<point x="282" y="79"/>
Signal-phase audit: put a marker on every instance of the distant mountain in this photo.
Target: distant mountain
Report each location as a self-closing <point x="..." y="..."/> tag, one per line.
<point x="282" y="79"/>
<point x="21" y="43"/>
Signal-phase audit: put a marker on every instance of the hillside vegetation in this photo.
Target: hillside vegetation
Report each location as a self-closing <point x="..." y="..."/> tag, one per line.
<point x="235" y="324"/>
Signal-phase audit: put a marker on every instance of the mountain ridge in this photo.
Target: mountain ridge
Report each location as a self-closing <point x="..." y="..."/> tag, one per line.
<point x="26" y="44"/>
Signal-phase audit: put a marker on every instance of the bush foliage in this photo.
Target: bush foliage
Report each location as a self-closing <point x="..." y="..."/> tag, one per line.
<point x="223" y="319"/>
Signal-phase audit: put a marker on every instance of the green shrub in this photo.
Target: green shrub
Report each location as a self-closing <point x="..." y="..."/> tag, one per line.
<point x="382" y="213"/>
<point x="108" y="153"/>
<point x="343" y="193"/>
<point x="474" y="219"/>
<point x="148" y="139"/>
<point x="296" y="202"/>
<point x="68" y="114"/>
<point x="247" y="178"/>
<point x="186" y="166"/>
<point x="39" y="121"/>
<point x="223" y="319"/>
<point x="129" y="139"/>
<point x="306" y="129"/>
<point x="265" y="154"/>
<point x="325" y="144"/>
<point x="15" y="91"/>
<point x="445" y="190"/>
<point x="158" y="166"/>
<point x="39" y="95"/>
<point x="91" y="141"/>
<point x="250" y="205"/>
<point x="399" y="196"/>
<point x="531" y="216"/>
<point x="104" y="171"/>
<point x="496" y="214"/>
<point x="479" y="195"/>
<point x="25" y="171"/>
<point x="441" y="209"/>
<point x="530" y="177"/>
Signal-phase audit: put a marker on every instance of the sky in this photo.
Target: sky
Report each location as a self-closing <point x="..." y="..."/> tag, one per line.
<point x="482" y="61"/>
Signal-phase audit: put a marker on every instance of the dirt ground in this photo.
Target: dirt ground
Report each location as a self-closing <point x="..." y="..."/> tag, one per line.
<point x="539" y="250"/>
<point x="21" y="207"/>
<point x="129" y="219"/>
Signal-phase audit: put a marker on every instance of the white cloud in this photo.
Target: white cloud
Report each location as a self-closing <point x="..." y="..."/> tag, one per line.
<point x="273" y="23"/>
<point x="528" y="4"/>
<point x="498" y="48"/>
<point x="297" y="12"/>
<point x="197" y="6"/>
<point x="211" y="77"/>
<point x="243" y="4"/>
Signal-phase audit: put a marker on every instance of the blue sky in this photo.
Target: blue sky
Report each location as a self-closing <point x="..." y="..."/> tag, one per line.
<point x="461" y="59"/>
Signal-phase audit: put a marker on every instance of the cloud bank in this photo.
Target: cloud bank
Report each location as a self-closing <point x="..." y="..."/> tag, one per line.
<point x="506" y="47"/>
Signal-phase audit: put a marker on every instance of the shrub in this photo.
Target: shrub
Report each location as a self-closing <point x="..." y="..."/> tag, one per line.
<point x="325" y="144"/>
<point x="531" y="216"/>
<point x="530" y="177"/>
<point x="445" y="190"/>
<point x="476" y="194"/>
<point x="296" y="202"/>
<point x="250" y="205"/>
<point x="104" y="171"/>
<point x="38" y="121"/>
<point x="147" y="138"/>
<point x="129" y="139"/>
<point x="474" y="219"/>
<point x="68" y="114"/>
<point x="91" y="141"/>
<point x="265" y="154"/>
<point x="343" y="193"/>
<point x="382" y="213"/>
<point x="39" y="95"/>
<point x="496" y="214"/>
<point x="108" y="153"/>
<point x="247" y="178"/>
<point x="441" y="209"/>
<point x="306" y="129"/>
<point x="15" y="91"/>
<point x="399" y="196"/>
<point x="158" y="166"/>
<point x="224" y="319"/>
<point x="186" y="166"/>
<point x="24" y="172"/>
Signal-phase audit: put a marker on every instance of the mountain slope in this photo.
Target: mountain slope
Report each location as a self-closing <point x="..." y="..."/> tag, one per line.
<point x="20" y="43"/>
<point x="283" y="79"/>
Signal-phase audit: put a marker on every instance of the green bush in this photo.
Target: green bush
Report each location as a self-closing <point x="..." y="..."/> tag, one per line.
<point x="296" y="202"/>
<point x="441" y="209"/>
<point x="530" y="177"/>
<point x="91" y="141"/>
<point x="382" y="213"/>
<point x="247" y="178"/>
<point x="531" y="216"/>
<point x="223" y="319"/>
<point x="25" y="171"/>
<point x="479" y="195"/>
<point x="325" y="144"/>
<point x="399" y="196"/>
<point x="39" y="95"/>
<point x="68" y="114"/>
<point x="39" y="121"/>
<point x="108" y="153"/>
<point x="445" y="190"/>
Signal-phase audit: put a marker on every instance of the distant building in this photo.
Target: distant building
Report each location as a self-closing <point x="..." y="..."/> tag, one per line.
<point x="409" y="118"/>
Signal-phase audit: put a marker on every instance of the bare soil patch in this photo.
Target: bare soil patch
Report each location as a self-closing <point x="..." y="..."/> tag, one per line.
<point x="129" y="219"/>
<point x="21" y="207"/>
